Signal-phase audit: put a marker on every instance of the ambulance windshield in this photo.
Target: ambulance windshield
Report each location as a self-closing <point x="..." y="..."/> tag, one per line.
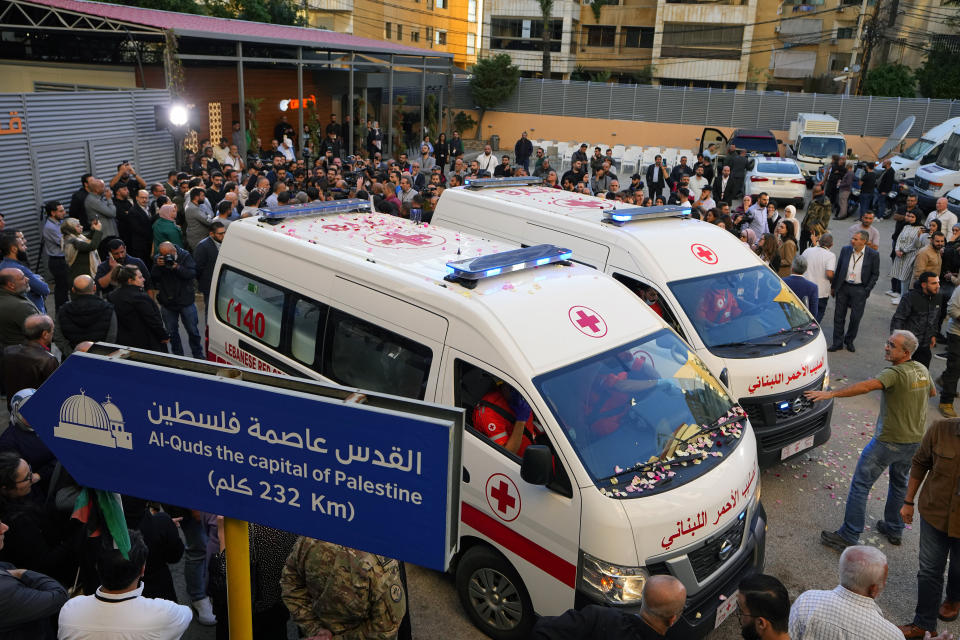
<point x="745" y="314"/>
<point x="634" y="404"/>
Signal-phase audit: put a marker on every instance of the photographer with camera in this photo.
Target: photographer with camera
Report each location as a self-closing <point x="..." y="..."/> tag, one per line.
<point x="173" y="276"/>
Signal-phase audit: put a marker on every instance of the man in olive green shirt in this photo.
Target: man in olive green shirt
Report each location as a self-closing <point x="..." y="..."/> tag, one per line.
<point x="906" y="386"/>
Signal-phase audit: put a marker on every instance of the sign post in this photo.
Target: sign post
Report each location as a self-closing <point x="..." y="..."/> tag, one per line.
<point x="284" y="452"/>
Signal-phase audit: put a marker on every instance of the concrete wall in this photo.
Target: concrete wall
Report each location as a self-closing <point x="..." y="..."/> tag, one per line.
<point x="509" y="126"/>
<point x="18" y="76"/>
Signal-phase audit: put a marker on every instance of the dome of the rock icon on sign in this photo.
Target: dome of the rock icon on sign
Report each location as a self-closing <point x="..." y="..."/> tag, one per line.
<point x="85" y="420"/>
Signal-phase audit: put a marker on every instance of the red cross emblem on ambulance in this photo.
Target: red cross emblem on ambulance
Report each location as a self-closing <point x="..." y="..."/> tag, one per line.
<point x="404" y="240"/>
<point x="703" y="253"/>
<point x="587" y="321"/>
<point x="503" y="497"/>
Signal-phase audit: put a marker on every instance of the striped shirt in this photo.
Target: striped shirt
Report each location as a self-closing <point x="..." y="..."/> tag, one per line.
<point x="839" y="614"/>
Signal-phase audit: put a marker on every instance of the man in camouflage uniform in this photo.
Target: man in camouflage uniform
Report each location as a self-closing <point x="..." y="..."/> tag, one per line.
<point x="818" y="215"/>
<point x="343" y="593"/>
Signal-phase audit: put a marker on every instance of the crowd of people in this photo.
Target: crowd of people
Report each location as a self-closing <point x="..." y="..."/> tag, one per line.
<point x="126" y="260"/>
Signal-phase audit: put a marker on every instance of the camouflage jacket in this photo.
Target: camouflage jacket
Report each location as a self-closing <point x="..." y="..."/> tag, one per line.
<point x="818" y="215"/>
<point x="354" y="594"/>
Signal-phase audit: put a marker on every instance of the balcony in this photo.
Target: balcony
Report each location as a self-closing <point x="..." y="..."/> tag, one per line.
<point x="794" y="64"/>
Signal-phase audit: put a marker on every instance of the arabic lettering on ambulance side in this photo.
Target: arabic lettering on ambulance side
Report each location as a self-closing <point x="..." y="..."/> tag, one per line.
<point x="737" y="497"/>
<point x="780" y="378"/>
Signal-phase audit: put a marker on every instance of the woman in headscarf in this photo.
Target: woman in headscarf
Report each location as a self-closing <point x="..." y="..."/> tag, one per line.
<point x="79" y="251"/>
<point x="787" y="249"/>
<point x="790" y="213"/>
<point x="910" y="240"/>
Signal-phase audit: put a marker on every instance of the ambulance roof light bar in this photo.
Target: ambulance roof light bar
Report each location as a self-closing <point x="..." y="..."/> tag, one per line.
<point x="277" y="214"/>
<point x="523" y="181"/>
<point x="469" y="271"/>
<point x="621" y="215"/>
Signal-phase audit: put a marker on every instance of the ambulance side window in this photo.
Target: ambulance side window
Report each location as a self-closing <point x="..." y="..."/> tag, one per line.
<point x="357" y="353"/>
<point x="472" y="385"/>
<point x="251" y="306"/>
<point x="308" y="317"/>
<point x="640" y="288"/>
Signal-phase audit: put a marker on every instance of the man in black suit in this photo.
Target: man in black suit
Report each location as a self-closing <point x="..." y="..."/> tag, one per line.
<point x="725" y="187"/>
<point x="739" y="165"/>
<point x="656" y="177"/>
<point x="854" y="278"/>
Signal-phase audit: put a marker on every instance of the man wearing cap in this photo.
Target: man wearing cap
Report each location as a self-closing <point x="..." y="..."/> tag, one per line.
<point x="636" y="184"/>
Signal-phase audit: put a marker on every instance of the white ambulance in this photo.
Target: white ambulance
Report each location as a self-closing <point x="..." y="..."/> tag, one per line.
<point x="638" y="462"/>
<point x="738" y="316"/>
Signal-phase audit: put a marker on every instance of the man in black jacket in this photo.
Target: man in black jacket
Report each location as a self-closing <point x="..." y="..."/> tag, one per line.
<point x="522" y="151"/>
<point x="206" y="258"/>
<point x="884" y="186"/>
<point x="78" y="208"/>
<point x="86" y="317"/>
<point x="139" y="323"/>
<point x="919" y="313"/>
<point x="173" y="274"/>
<point x="656" y="177"/>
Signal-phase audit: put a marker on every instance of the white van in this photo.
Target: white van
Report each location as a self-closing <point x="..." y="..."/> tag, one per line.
<point x="935" y="180"/>
<point x="642" y="463"/>
<point x="768" y="350"/>
<point x="924" y="150"/>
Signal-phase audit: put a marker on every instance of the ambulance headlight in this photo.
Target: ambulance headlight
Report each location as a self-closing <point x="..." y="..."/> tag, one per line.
<point x="614" y="583"/>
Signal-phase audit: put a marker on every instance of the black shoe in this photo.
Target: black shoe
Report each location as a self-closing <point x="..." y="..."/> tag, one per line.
<point x="851" y="348"/>
<point x="894" y="539"/>
<point x="833" y="348"/>
<point x="834" y="540"/>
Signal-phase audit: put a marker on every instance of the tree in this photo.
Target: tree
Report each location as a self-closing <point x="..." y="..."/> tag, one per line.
<point x="493" y="80"/>
<point x="890" y="80"/>
<point x="939" y="77"/>
<point x="546" y="10"/>
<point x="269" y="11"/>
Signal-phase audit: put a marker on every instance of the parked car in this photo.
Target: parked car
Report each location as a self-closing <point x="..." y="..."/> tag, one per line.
<point x="780" y="178"/>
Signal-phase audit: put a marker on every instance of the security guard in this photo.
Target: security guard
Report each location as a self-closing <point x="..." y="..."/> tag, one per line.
<point x="334" y="591"/>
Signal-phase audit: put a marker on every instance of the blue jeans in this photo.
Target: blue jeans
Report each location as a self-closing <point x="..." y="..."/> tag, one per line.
<point x="876" y="457"/>
<point x="195" y="558"/>
<point x="171" y="319"/>
<point x="935" y="547"/>
<point x="867" y="201"/>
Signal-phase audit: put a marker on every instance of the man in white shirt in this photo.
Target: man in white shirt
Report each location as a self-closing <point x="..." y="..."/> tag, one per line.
<point x="118" y="611"/>
<point x="487" y="160"/>
<point x="821" y="263"/>
<point x="221" y="151"/>
<point x="849" y="610"/>
<point x="234" y="159"/>
<point x="705" y="202"/>
<point x="698" y="182"/>
<point x="946" y="217"/>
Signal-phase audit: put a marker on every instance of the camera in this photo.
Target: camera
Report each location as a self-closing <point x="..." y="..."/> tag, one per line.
<point x="169" y="260"/>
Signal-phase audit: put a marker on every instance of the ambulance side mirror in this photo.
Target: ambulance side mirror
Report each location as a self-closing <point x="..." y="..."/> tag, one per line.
<point x="537" y="464"/>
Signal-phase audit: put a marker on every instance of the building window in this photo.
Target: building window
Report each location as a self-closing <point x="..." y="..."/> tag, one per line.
<point x="471" y="10"/>
<point x="441" y="4"/>
<point x="387" y="30"/>
<point x="638" y="37"/>
<point x="471" y="44"/>
<point x="601" y="36"/>
<point x="845" y="33"/>
<point x="414" y="36"/>
<point x="692" y="40"/>
<point x="399" y="32"/>
<point x="441" y="37"/>
<point x="524" y="34"/>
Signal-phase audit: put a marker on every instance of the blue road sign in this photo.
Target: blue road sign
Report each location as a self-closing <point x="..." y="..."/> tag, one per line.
<point x="373" y="479"/>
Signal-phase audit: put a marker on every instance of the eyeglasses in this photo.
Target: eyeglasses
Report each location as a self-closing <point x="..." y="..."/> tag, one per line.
<point x="29" y="476"/>
<point x="743" y="614"/>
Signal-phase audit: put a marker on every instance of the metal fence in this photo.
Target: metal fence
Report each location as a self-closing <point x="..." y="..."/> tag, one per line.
<point x="54" y="138"/>
<point x="858" y="115"/>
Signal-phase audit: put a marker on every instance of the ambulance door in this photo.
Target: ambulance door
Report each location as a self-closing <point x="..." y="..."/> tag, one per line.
<point x="378" y="342"/>
<point x="665" y="307"/>
<point x="587" y="252"/>
<point x="529" y="535"/>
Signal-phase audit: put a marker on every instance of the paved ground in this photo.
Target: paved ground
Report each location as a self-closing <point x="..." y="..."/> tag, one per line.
<point x="801" y="497"/>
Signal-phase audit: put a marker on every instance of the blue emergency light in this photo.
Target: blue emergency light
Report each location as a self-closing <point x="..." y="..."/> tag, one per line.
<point x="480" y="183"/>
<point x="621" y="215"/>
<point x="277" y="214"/>
<point x="783" y="406"/>
<point x="471" y="270"/>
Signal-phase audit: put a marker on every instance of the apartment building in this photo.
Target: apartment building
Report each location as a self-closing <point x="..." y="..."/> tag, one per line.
<point x="516" y="27"/>
<point x="449" y="26"/>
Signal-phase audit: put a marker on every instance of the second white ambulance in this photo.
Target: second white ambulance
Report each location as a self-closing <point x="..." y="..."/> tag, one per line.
<point x="740" y="318"/>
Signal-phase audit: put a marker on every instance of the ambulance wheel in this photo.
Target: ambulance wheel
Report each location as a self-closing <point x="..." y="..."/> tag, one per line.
<point x="493" y="594"/>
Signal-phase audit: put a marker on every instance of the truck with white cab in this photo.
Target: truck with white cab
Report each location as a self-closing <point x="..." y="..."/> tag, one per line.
<point x="814" y="138"/>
